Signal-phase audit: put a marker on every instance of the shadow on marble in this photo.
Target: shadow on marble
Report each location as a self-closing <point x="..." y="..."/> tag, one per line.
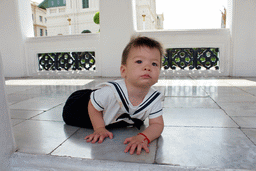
<point x="226" y="148"/>
<point x="110" y="149"/>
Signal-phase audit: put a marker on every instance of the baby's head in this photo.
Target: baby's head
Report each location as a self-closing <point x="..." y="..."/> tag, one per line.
<point x="137" y="42"/>
<point x="141" y="62"/>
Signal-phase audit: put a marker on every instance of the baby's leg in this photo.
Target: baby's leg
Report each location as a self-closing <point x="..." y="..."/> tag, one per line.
<point x="75" y="111"/>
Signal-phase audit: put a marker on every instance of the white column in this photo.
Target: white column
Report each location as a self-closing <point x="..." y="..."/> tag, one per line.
<point x="16" y="26"/>
<point x="7" y="144"/>
<point x="116" y="28"/>
<point x="242" y="26"/>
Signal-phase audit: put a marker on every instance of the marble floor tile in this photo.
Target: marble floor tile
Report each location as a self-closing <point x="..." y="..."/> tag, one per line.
<point x="189" y="102"/>
<point x="251" y="90"/>
<point x="214" y="82"/>
<point x="110" y="149"/>
<point x="241" y="82"/>
<point x="198" y="117"/>
<point x="10" y="89"/>
<point x="15" y="122"/>
<point x="245" y="122"/>
<point x="24" y="114"/>
<point x="38" y="103"/>
<point x="47" y="82"/>
<point x="230" y="98"/>
<point x="93" y="84"/>
<point x="216" y="90"/>
<point x="240" y="112"/>
<point x="18" y="97"/>
<point x="54" y="114"/>
<point x="185" y="91"/>
<point x="201" y="115"/>
<point x="175" y="82"/>
<point x="251" y="133"/>
<point x="245" y="105"/>
<point x="206" y="147"/>
<point x="39" y="91"/>
<point x="41" y="137"/>
<point x="251" y="78"/>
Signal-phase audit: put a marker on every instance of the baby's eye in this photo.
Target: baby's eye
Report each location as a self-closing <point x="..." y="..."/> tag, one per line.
<point x="154" y="64"/>
<point x="139" y="61"/>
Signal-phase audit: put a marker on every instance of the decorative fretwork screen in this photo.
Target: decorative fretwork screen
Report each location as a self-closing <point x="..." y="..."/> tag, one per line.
<point x="191" y="58"/>
<point x="67" y="61"/>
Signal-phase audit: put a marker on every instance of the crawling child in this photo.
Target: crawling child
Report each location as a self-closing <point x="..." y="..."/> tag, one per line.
<point x="123" y="102"/>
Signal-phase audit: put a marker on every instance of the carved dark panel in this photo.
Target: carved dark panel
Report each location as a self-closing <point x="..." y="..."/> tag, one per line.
<point x="192" y="58"/>
<point x="67" y="61"/>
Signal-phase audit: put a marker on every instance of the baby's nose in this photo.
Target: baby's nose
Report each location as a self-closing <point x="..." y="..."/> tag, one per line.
<point x="147" y="68"/>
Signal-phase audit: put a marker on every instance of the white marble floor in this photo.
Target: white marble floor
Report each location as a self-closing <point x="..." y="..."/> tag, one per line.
<point x="209" y="122"/>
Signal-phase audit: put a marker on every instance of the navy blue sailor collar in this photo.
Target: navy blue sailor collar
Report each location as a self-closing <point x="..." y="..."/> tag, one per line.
<point x="121" y="94"/>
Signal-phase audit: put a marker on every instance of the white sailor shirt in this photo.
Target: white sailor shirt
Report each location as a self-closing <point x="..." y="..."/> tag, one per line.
<point x="112" y="99"/>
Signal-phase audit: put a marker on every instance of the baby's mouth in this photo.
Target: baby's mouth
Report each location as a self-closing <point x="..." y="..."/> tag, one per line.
<point x="146" y="76"/>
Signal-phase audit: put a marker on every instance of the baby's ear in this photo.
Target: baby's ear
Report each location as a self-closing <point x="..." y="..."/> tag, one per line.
<point x="123" y="71"/>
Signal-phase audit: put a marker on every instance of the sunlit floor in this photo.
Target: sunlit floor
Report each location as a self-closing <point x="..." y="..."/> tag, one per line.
<point x="209" y="122"/>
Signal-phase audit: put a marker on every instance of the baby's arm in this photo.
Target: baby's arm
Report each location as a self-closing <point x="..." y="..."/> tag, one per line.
<point x="152" y="132"/>
<point x="100" y="132"/>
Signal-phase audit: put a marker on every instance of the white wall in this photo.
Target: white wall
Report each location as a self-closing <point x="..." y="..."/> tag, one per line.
<point x="244" y="37"/>
<point x="81" y="18"/>
<point x="7" y="144"/>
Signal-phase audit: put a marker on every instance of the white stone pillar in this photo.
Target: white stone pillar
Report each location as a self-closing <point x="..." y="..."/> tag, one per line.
<point x="16" y="25"/>
<point x="242" y="24"/>
<point x="116" y="28"/>
<point x="7" y="144"/>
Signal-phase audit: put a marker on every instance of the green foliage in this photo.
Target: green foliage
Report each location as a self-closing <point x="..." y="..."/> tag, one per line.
<point x="96" y="18"/>
<point x="86" y="31"/>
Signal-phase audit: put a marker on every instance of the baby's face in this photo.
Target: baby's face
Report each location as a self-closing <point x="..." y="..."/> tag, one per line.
<point x="142" y="67"/>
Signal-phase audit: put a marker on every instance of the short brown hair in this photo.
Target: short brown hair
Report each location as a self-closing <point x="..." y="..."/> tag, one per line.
<point x="139" y="42"/>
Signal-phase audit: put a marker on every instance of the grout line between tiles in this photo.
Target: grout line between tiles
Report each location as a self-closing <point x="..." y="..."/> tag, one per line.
<point x="248" y="137"/>
<point x="225" y="112"/>
<point x="155" y="162"/>
<point x="239" y="127"/>
<point x="63" y="142"/>
<point x="172" y="126"/>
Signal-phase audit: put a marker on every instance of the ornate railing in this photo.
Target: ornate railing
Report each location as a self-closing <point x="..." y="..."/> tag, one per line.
<point x="67" y="61"/>
<point x="191" y="58"/>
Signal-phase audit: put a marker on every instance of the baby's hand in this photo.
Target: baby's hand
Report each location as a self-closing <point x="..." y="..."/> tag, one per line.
<point x="99" y="134"/>
<point x="136" y="142"/>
